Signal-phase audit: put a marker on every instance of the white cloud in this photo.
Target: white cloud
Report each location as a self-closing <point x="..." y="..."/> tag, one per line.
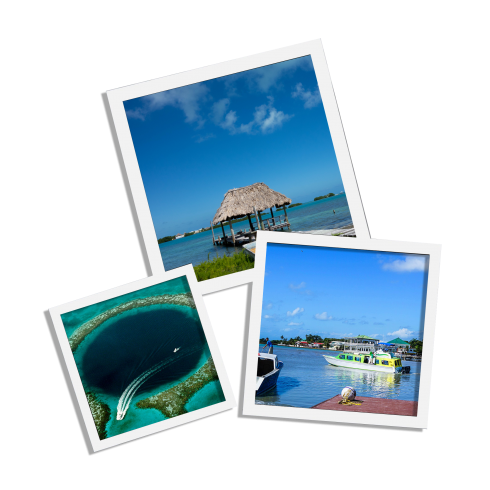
<point x="266" y="118"/>
<point x="218" y="110"/>
<point x="403" y="332"/>
<point x="292" y="324"/>
<point x="411" y="263"/>
<point x="311" y="99"/>
<point x="298" y="286"/>
<point x="229" y="122"/>
<point x="205" y="137"/>
<point x="188" y="99"/>
<point x="296" y="311"/>
<point x="269" y="306"/>
<point x="267" y="77"/>
<point x="267" y="316"/>
<point x="287" y="329"/>
<point x="323" y="316"/>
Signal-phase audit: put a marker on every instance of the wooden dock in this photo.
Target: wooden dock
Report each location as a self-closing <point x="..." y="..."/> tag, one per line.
<point x="248" y="235"/>
<point x="345" y="231"/>
<point x="371" y="405"/>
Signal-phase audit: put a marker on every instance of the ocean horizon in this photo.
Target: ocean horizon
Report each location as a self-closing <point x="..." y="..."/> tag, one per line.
<point x="310" y="216"/>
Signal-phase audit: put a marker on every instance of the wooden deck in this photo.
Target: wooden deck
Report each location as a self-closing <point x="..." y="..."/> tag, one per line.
<point x="371" y="405"/>
<point x="248" y="235"/>
<point x="239" y="239"/>
<point x="346" y="231"/>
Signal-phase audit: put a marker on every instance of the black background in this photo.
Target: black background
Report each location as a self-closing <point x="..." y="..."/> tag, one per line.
<point x="95" y="243"/>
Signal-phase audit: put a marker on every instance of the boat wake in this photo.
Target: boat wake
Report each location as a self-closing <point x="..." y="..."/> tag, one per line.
<point x="130" y="391"/>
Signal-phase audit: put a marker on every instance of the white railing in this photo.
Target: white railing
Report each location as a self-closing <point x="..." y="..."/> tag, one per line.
<point x="276" y="220"/>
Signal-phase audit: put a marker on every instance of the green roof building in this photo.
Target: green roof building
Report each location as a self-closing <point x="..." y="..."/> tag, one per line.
<point x="400" y="344"/>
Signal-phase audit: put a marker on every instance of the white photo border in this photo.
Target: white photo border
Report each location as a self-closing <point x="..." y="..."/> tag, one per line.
<point x="117" y="97"/>
<point x="420" y="420"/>
<point x="97" y="444"/>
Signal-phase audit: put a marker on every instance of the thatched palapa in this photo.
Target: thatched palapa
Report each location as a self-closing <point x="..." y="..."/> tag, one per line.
<point x="241" y="202"/>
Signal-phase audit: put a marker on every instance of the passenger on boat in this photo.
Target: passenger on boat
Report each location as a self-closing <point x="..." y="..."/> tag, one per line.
<point x="268" y="343"/>
<point x="371" y="358"/>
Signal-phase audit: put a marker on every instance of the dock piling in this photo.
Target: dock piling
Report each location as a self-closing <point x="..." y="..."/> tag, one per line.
<point x="286" y="216"/>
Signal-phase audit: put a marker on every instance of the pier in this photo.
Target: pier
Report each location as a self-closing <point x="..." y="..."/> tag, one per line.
<point x="344" y="231"/>
<point x="384" y="406"/>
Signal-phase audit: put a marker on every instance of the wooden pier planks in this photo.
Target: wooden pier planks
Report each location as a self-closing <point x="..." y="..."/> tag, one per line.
<point x="350" y="231"/>
<point x="371" y="405"/>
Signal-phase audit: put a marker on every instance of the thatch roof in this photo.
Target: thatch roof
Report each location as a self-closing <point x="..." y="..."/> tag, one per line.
<point x="240" y="202"/>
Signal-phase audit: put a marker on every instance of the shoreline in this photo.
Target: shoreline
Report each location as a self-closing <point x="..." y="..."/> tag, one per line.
<point x="171" y="402"/>
<point x="79" y="335"/>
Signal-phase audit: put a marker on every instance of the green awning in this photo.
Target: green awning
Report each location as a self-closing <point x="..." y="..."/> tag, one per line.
<point x="398" y="340"/>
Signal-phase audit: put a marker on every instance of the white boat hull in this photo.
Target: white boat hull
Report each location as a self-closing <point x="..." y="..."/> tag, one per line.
<point x="361" y="365"/>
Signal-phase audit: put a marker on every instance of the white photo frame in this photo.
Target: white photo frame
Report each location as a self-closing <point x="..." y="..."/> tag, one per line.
<point x="420" y="420"/>
<point x="117" y="97"/>
<point x="56" y="316"/>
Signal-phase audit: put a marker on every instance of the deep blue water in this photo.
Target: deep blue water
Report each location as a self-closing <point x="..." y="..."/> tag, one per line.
<point x="315" y="215"/>
<point x="307" y="379"/>
<point x="132" y="344"/>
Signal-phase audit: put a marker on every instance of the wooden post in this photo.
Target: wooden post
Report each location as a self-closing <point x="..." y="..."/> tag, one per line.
<point x="272" y="216"/>
<point x="224" y="235"/>
<point x="232" y="233"/>
<point x="212" y="231"/>
<point x="286" y="216"/>
<point x="250" y="221"/>
<point x="257" y="218"/>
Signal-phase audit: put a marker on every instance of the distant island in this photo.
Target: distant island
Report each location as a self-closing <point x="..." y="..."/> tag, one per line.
<point x="330" y="194"/>
<point x="294" y="205"/>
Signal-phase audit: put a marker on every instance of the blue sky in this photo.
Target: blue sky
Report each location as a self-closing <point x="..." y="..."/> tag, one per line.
<point x="336" y="292"/>
<point x="196" y="142"/>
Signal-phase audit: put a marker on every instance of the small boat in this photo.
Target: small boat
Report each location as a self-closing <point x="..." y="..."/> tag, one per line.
<point x="250" y="248"/>
<point x="384" y="362"/>
<point x="176" y="349"/>
<point x="268" y="369"/>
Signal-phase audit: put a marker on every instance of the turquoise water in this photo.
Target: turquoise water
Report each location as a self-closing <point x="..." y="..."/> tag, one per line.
<point x="125" y="347"/>
<point x="315" y="215"/>
<point x="209" y="395"/>
<point x="307" y="379"/>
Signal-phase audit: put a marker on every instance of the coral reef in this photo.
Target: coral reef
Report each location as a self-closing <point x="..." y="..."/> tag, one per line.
<point x="172" y="402"/>
<point x="77" y="337"/>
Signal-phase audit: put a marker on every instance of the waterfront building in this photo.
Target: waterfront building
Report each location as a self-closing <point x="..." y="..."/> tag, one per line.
<point x="361" y="343"/>
<point x="301" y="343"/>
<point x="179" y="235"/>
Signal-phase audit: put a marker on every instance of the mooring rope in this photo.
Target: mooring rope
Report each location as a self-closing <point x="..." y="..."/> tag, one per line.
<point x="345" y="399"/>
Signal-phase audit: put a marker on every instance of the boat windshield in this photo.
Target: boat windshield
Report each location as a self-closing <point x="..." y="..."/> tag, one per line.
<point x="265" y="366"/>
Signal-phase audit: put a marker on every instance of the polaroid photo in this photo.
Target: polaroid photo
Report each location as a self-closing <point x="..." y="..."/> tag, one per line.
<point x="142" y="358"/>
<point x="215" y="154"/>
<point x="341" y="330"/>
